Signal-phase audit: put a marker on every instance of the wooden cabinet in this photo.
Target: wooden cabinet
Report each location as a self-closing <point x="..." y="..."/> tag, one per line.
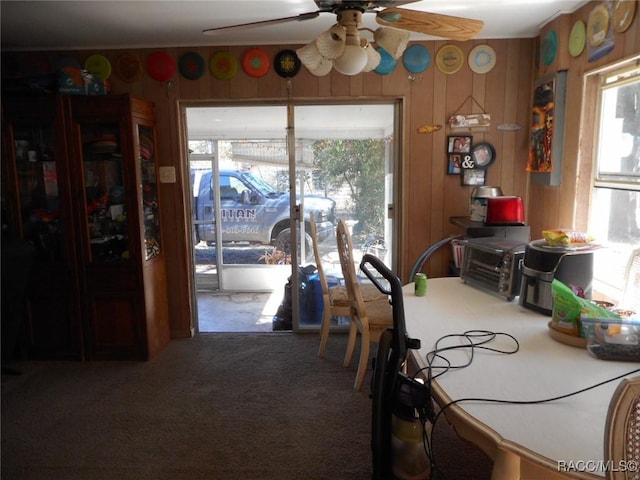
<point x="79" y="181"/>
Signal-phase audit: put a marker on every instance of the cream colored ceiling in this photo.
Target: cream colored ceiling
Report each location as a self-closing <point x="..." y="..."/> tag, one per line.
<point x="90" y="25"/>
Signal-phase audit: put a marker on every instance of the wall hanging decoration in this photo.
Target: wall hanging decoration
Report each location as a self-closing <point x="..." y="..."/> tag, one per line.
<point x="623" y="13"/>
<point x="449" y="59"/>
<point x="508" y="127"/>
<point x="191" y="65"/>
<point x="473" y="177"/>
<point x="599" y="33"/>
<point x="387" y="62"/>
<point x="458" y="153"/>
<point x="429" y="128"/>
<point x="474" y="122"/>
<point x="161" y="66"/>
<point x="286" y="63"/>
<point x="416" y="58"/>
<point x="255" y="62"/>
<point x="549" y="47"/>
<point x="547" y="126"/>
<point x="482" y="59"/>
<point x="98" y="65"/>
<point x="223" y="66"/>
<point x="483" y="155"/>
<point x="577" y="38"/>
<point x="129" y="68"/>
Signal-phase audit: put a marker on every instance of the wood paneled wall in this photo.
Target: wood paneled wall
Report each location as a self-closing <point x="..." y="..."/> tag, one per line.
<point x="429" y="197"/>
<point x="566" y="206"/>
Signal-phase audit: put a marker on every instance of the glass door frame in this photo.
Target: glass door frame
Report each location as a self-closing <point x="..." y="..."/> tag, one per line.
<point x="392" y="168"/>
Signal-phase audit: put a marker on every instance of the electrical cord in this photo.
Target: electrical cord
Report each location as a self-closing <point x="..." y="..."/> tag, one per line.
<point x="478" y="339"/>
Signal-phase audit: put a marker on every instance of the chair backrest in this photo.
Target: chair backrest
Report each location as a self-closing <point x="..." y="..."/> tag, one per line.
<point x="347" y="263"/>
<point x="316" y="253"/>
<point x="621" y="440"/>
<point x="631" y="293"/>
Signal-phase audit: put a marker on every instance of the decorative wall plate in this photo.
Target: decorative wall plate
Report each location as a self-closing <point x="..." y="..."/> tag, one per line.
<point x="191" y="65"/>
<point x="223" y="66"/>
<point x="623" y="14"/>
<point x="98" y="65"/>
<point x="449" y="59"/>
<point x="286" y="63"/>
<point x="549" y="47"/>
<point x="482" y="59"/>
<point x="577" y="38"/>
<point x="387" y="62"/>
<point x="129" y="68"/>
<point x="255" y="62"/>
<point x="160" y="66"/>
<point x="416" y="58"/>
<point x="598" y="25"/>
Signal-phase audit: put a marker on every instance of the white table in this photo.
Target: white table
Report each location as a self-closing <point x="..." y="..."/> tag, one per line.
<point x="532" y="441"/>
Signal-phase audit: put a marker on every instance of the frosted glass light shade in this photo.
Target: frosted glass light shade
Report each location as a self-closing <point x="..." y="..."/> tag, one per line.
<point x="352" y="61"/>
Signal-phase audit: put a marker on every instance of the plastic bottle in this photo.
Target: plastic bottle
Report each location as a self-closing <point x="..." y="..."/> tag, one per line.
<point x="410" y="460"/>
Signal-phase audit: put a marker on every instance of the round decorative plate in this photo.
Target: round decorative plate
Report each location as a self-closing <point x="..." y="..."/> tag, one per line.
<point x="223" y="66"/>
<point x="160" y="66"/>
<point x="577" y="38"/>
<point x="387" y="62"/>
<point x="98" y="65"/>
<point x="129" y="68"/>
<point x="623" y="13"/>
<point x="255" y="62"/>
<point x="598" y="25"/>
<point x="286" y="63"/>
<point x="191" y="65"/>
<point x="449" y="59"/>
<point x="416" y="58"/>
<point x="482" y="59"/>
<point x="549" y="47"/>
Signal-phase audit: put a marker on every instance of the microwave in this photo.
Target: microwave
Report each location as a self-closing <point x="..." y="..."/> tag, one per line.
<point x="493" y="264"/>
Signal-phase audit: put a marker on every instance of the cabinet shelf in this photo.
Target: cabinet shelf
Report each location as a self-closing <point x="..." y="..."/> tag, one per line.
<point x="71" y="184"/>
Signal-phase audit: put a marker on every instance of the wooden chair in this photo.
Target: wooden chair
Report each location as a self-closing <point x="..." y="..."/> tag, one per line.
<point x="369" y="319"/>
<point x="621" y="439"/>
<point x="335" y="300"/>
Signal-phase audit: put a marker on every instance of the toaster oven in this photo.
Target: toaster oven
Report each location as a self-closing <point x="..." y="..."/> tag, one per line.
<point x="493" y="264"/>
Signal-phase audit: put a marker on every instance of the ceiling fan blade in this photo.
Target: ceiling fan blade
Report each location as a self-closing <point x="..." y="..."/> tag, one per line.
<point x="446" y="26"/>
<point x="264" y="23"/>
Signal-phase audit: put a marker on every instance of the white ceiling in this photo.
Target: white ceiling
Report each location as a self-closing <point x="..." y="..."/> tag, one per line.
<point x="91" y="25"/>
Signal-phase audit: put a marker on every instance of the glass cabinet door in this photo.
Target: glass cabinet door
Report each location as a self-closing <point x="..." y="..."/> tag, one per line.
<point x="106" y="211"/>
<point x="149" y="185"/>
<point x="37" y="190"/>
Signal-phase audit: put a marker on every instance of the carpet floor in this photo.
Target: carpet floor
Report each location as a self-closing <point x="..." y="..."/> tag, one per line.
<point x="217" y="406"/>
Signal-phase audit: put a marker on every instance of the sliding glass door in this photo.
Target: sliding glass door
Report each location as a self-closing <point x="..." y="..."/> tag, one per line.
<point x="258" y="170"/>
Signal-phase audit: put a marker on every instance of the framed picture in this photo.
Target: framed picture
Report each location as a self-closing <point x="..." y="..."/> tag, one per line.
<point x="473" y="176"/>
<point x="459" y="144"/>
<point x="455" y="164"/>
<point x="483" y="155"/>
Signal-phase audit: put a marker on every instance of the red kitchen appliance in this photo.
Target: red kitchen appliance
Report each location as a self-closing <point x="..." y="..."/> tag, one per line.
<point x="505" y="210"/>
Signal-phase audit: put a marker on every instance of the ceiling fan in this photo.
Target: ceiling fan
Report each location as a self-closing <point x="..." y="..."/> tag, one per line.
<point x="341" y="46"/>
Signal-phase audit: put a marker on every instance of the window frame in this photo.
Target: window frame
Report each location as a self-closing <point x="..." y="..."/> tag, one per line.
<point x="596" y="83"/>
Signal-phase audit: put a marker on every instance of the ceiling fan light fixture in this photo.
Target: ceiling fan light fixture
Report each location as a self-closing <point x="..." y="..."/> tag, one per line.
<point x="309" y="55"/>
<point x="373" y="58"/>
<point x="311" y="58"/>
<point x="392" y="40"/>
<point x="353" y="60"/>
<point x="331" y="43"/>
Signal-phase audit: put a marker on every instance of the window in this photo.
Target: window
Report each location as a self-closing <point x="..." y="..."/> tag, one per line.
<point x="615" y="199"/>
